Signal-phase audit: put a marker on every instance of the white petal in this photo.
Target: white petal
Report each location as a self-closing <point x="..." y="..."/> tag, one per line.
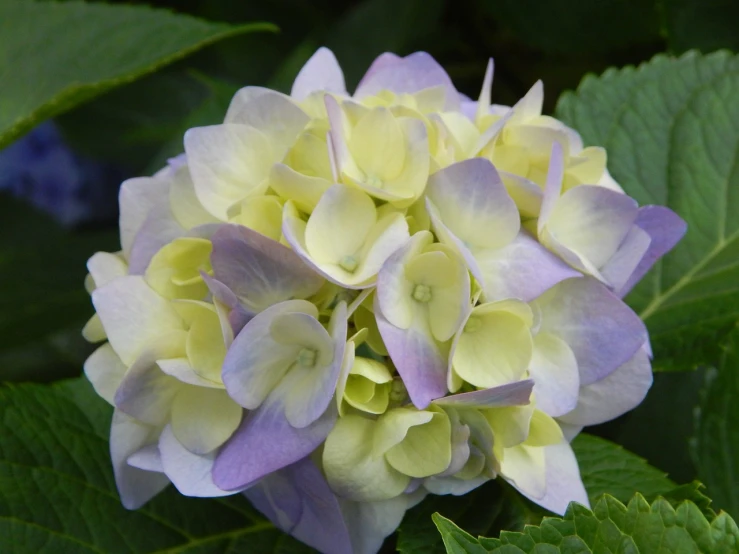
<point x="554" y="371"/>
<point x="105" y="370"/>
<point x="321" y="72"/>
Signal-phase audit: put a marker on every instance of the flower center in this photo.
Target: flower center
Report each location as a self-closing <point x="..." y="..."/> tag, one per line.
<point x="307" y="357"/>
<point x="373" y="181"/>
<point x="422" y="293"/>
<point x="349" y="263"/>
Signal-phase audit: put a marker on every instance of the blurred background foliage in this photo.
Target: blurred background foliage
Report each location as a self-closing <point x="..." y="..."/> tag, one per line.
<point x="71" y="168"/>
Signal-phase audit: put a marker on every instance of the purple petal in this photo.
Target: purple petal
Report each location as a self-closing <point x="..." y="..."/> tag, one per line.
<point x="665" y="228"/>
<point x="411" y="74"/>
<point x="298" y="500"/>
<point x="553" y="185"/>
<point x="255" y="363"/>
<point x="418" y="358"/>
<point x="602" y="331"/>
<point x="231" y="313"/>
<point x="321" y="72"/>
<point x="159" y="228"/>
<point x="135" y="486"/>
<point x="517" y="393"/>
<point x="624" y="262"/>
<point x="614" y="395"/>
<point x="259" y="270"/>
<point x="266" y="442"/>
<point x="190" y="473"/>
<point x="524" y="270"/>
<point x="146" y="392"/>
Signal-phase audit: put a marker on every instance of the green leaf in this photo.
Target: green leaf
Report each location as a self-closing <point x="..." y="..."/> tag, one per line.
<point x="43" y="268"/>
<point x="606" y="467"/>
<point x="54" y="56"/>
<point x="671" y="129"/>
<point x="57" y="492"/>
<point x="716" y="441"/>
<point x="693" y="492"/>
<point x="579" y="27"/>
<point x="707" y="25"/>
<point x="610" y="527"/>
<point x="487" y="510"/>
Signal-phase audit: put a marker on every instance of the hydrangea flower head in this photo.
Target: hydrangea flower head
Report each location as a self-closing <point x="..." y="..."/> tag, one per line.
<point x="338" y="304"/>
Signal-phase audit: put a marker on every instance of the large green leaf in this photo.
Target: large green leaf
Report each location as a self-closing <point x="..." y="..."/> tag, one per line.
<point x="54" y="56"/>
<point x="605" y="467"/>
<point x="57" y="492"/>
<point x="716" y="442"/>
<point x="671" y="128"/>
<point x="609" y="527"/>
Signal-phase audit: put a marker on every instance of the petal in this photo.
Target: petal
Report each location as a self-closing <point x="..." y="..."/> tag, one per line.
<point x="554" y="371"/>
<point x="389" y="233"/>
<point x="134" y="316"/>
<point x="298" y="500"/>
<point x="272" y="113"/>
<point x="190" y="473"/>
<point x="159" y="228"/>
<point x="562" y="478"/>
<point x="203" y="418"/>
<point x="394" y="290"/>
<point x="255" y="363"/>
<point x="265" y="442"/>
<point x="321" y="72"/>
<point x="530" y="105"/>
<point x="180" y="369"/>
<point x="602" y="331"/>
<point x="494" y="347"/>
<point x="418" y="358"/>
<point x="591" y="221"/>
<point x="665" y="228"/>
<point x="369" y="523"/>
<point x="186" y="208"/>
<point x="474" y="205"/>
<point x="394" y="425"/>
<point x="483" y="100"/>
<point x="407" y="75"/>
<point x="425" y="450"/>
<point x="105" y="267"/>
<point x="552" y="187"/>
<point x="260" y="271"/>
<point x="525" y="193"/>
<point x="304" y="190"/>
<point x="614" y="395"/>
<point x="377" y="144"/>
<point x="623" y="263"/>
<point x="136" y="199"/>
<point x="525" y="468"/>
<point x="524" y="270"/>
<point x="105" y="370"/>
<point x="146" y="392"/>
<point x="135" y="486"/>
<point x="227" y="163"/>
<point x="351" y="469"/>
<point x="343" y="208"/>
<point x="148" y="459"/>
<point x="510" y="394"/>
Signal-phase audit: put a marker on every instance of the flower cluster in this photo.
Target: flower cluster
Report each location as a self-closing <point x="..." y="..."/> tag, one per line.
<point x="338" y="304"/>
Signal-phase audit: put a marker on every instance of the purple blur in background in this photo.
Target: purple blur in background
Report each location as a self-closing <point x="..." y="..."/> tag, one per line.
<point x="42" y="169"/>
